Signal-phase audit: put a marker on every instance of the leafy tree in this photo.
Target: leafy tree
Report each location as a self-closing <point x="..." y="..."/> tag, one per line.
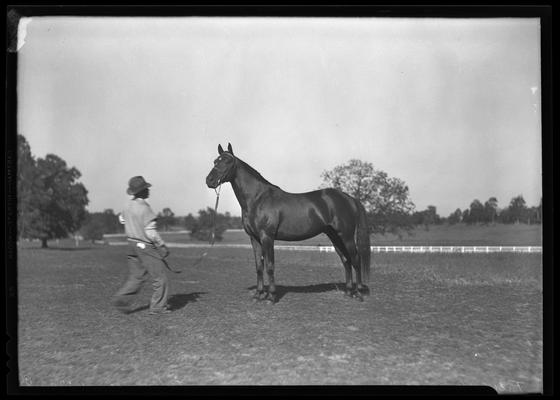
<point x="189" y="221"/>
<point x="476" y="212"/>
<point x="166" y="219"/>
<point x="29" y="194"/>
<point x="466" y="218"/>
<point x="53" y="203"/>
<point x="426" y="218"/>
<point x="455" y="217"/>
<point x="93" y="227"/>
<point x="99" y="223"/>
<point x="517" y="209"/>
<point x="538" y="213"/>
<point x="234" y="222"/>
<point x="431" y="216"/>
<point x="491" y="210"/>
<point x="111" y="222"/>
<point x="206" y="222"/>
<point x="385" y="199"/>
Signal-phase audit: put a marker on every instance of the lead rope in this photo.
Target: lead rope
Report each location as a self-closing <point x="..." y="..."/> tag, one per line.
<point x="213" y="234"/>
<point x="212" y="237"/>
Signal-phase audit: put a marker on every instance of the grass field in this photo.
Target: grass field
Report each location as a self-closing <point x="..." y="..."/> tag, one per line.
<point x="445" y="319"/>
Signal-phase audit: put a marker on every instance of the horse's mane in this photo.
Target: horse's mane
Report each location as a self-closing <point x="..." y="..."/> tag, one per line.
<point x="255" y="173"/>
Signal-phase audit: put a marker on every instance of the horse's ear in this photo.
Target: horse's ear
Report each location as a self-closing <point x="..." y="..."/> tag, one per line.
<point x="229" y="148"/>
<point x="220" y="149"/>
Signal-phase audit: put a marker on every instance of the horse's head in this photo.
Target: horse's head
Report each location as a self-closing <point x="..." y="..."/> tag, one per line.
<point x="224" y="168"/>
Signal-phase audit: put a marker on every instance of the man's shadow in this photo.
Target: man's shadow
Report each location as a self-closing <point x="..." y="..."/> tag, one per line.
<point x="175" y="301"/>
<point x="282" y="290"/>
<point x="178" y="301"/>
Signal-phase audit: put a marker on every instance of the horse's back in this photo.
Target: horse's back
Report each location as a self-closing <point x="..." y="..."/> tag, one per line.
<point x="304" y="215"/>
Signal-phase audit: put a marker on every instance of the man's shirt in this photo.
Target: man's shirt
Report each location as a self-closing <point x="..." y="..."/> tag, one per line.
<point x="140" y="222"/>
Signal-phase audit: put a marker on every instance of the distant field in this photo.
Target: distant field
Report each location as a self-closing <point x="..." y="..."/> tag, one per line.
<point x="442" y="235"/>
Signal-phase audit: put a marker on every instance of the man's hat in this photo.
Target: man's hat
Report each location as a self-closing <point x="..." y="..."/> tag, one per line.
<point x="136" y="184"/>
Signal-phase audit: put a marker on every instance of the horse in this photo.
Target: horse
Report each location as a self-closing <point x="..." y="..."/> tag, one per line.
<point x="269" y="213"/>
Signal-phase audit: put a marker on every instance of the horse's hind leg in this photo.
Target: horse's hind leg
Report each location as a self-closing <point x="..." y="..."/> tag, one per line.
<point x="356" y="264"/>
<point x="354" y="256"/>
<point x="344" y="257"/>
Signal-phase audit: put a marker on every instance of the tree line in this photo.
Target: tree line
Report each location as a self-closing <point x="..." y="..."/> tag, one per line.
<point x="390" y="209"/>
<point x="483" y="214"/>
<point x="200" y="227"/>
<point x="51" y="204"/>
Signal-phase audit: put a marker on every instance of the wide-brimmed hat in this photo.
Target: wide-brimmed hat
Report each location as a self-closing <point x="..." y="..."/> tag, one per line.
<point x="136" y="184"/>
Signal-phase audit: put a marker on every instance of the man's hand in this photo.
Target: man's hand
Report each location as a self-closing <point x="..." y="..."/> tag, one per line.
<point x="163" y="251"/>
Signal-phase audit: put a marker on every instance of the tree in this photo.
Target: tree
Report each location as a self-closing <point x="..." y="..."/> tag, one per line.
<point x="52" y="203"/>
<point x="538" y="213"/>
<point x="431" y="216"/>
<point x="189" y="221"/>
<point x="206" y="223"/>
<point x="111" y="222"/>
<point x="28" y="188"/>
<point x="427" y="217"/>
<point x="93" y="227"/>
<point x="455" y="217"/>
<point x="466" y="218"/>
<point x="99" y="223"/>
<point x="166" y="219"/>
<point x="517" y="209"/>
<point x="491" y="210"/>
<point x="385" y="199"/>
<point x="476" y="212"/>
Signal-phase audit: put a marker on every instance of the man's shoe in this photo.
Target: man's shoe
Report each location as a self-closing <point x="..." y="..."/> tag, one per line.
<point x="122" y="306"/>
<point x="160" y="311"/>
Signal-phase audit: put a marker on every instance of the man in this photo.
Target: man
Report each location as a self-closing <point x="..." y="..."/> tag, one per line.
<point x="146" y="250"/>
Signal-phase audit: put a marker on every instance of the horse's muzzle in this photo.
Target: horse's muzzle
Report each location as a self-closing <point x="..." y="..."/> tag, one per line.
<point x="212" y="181"/>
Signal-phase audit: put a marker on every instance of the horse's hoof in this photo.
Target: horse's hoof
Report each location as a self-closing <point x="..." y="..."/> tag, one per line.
<point x="364" y="291"/>
<point x="271" y="299"/>
<point x="356" y="295"/>
<point x="259" y="296"/>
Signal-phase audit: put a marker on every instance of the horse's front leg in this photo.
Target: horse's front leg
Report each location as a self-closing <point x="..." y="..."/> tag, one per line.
<point x="257" y="251"/>
<point x="268" y="253"/>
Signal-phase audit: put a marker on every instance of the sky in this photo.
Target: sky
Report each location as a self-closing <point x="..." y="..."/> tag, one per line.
<point x="450" y="106"/>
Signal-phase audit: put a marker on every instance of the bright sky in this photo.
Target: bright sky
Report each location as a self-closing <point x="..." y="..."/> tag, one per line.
<point x="450" y="106"/>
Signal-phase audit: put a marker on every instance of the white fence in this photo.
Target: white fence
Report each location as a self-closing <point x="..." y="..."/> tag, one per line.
<point x="377" y="249"/>
<point x="456" y="249"/>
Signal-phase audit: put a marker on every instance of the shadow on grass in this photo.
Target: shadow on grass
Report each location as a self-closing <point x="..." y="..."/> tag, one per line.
<point x="175" y="302"/>
<point x="178" y="301"/>
<point x="282" y="290"/>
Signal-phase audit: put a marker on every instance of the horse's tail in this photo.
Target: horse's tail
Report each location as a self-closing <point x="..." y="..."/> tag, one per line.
<point x="362" y="241"/>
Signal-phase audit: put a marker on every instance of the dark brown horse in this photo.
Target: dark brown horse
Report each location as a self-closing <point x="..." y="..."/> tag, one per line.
<point x="269" y="214"/>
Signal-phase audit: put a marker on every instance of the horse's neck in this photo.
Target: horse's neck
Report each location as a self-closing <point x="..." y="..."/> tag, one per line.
<point x="247" y="186"/>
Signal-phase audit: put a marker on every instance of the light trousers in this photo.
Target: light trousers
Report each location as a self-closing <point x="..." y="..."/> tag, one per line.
<point x="144" y="263"/>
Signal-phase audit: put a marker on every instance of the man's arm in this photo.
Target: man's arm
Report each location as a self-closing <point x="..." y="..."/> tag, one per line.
<point x="154" y="236"/>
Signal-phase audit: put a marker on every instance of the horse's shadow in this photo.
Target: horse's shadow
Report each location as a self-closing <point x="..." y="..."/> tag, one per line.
<point x="282" y="290"/>
<point x="175" y="301"/>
